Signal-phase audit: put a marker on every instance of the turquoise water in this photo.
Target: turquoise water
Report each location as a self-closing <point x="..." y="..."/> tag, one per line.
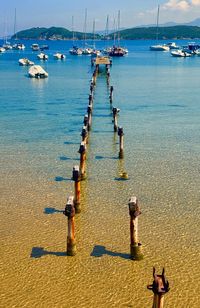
<point x="41" y="121"/>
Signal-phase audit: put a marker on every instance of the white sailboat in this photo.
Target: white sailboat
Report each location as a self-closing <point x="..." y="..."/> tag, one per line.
<point x="75" y="51"/>
<point x="158" y="47"/>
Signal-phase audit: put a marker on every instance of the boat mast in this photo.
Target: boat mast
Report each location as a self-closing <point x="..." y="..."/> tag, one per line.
<point x="85" y="26"/>
<point x="157" y="22"/>
<point x="94" y="34"/>
<point x="118" y="28"/>
<point x="15" y="21"/>
<point x="73" y="29"/>
<point x="106" y="30"/>
<point x="114" y="26"/>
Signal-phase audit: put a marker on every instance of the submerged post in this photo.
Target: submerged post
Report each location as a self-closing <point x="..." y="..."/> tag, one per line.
<point x="77" y="188"/>
<point x="159" y="287"/>
<point x="135" y="246"/>
<point x="111" y="94"/>
<point x="70" y="213"/>
<point x="121" y="142"/>
<point x="115" y="112"/>
<point x="82" y="151"/>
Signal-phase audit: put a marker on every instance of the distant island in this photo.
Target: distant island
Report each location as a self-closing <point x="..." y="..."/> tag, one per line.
<point x="59" y="33"/>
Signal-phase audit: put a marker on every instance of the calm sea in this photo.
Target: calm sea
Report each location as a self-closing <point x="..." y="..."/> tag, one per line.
<point x="41" y="120"/>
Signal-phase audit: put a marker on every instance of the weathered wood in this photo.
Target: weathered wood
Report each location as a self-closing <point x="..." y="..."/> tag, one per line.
<point x="159" y="287"/>
<point x="77" y="188"/>
<point x="85" y="120"/>
<point x="135" y="246"/>
<point x="89" y="110"/>
<point x="121" y="142"/>
<point x="82" y="151"/>
<point x="111" y="94"/>
<point x="70" y="213"/>
<point x="115" y="113"/>
<point x="84" y="134"/>
<point x="102" y="60"/>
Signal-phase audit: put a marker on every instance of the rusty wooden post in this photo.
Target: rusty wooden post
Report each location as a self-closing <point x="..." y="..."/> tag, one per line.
<point x="135" y="246"/>
<point x="115" y="112"/>
<point x="111" y="94"/>
<point x="94" y="78"/>
<point x="85" y="120"/>
<point x="90" y="99"/>
<point x="84" y="134"/>
<point x="121" y="142"/>
<point x="159" y="287"/>
<point x="77" y="188"/>
<point x="91" y="87"/>
<point x="82" y="151"/>
<point x="70" y="213"/>
<point x="89" y="110"/>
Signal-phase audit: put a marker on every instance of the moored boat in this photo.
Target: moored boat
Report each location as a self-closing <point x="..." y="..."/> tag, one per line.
<point x="36" y="71"/>
<point x="25" y="62"/>
<point x="59" y="56"/>
<point x="35" y="47"/>
<point x="75" y="51"/>
<point x="117" y="52"/>
<point x="42" y="56"/>
<point x="18" y="46"/>
<point x="2" y="49"/>
<point x="180" y="53"/>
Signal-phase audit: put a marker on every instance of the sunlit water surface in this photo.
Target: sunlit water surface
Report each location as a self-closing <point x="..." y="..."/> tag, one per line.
<point x="41" y="121"/>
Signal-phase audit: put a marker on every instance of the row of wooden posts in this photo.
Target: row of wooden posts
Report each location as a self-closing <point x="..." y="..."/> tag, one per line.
<point x="160" y="285"/>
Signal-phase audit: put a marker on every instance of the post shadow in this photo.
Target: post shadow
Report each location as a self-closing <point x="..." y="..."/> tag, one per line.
<point x="61" y="179"/>
<point x="99" y="251"/>
<point x="38" y="252"/>
<point x="51" y="210"/>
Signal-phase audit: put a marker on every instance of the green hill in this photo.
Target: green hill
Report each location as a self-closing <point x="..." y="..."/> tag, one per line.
<point x="59" y="33"/>
<point x="175" y="32"/>
<point x="53" y="33"/>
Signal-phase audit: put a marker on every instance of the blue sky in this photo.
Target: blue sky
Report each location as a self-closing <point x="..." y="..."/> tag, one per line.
<point x="45" y="13"/>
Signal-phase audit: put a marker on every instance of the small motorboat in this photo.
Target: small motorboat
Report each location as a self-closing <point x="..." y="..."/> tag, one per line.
<point x="7" y="46"/>
<point x="160" y="47"/>
<point x="59" y="56"/>
<point x="173" y="45"/>
<point x="25" y="62"/>
<point x="180" y="53"/>
<point x="18" y="46"/>
<point x="197" y="52"/>
<point x="87" y="51"/>
<point x="36" y="71"/>
<point x="42" y="56"/>
<point x="2" y="49"/>
<point x="35" y="47"/>
<point x="44" y="47"/>
<point x="75" y="51"/>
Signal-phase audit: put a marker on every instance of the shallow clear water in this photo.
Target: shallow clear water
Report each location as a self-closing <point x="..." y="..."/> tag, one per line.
<point x="40" y="125"/>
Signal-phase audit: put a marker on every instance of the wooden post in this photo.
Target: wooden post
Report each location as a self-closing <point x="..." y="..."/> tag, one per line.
<point x="91" y="87"/>
<point x="159" y="287"/>
<point x="85" y="120"/>
<point x="77" y="188"/>
<point x="111" y="94"/>
<point x="121" y="142"/>
<point x="89" y="110"/>
<point x="70" y="213"/>
<point x="90" y="99"/>
<point x="84" y="134"/>
<point x="115" y="112"/>
<point x="82" y="151"/>
<point x="135" y="246"/>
